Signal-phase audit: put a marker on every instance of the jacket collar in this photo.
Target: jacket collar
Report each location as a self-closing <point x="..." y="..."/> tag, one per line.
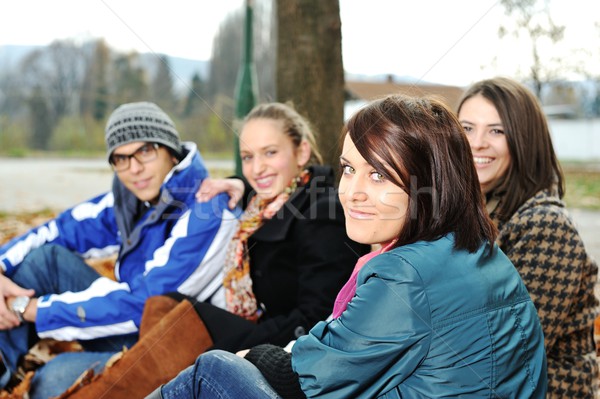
<point x="545" y="197"/>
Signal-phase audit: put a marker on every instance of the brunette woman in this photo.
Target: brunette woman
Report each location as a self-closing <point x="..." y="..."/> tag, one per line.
<point x="523" y="185"/>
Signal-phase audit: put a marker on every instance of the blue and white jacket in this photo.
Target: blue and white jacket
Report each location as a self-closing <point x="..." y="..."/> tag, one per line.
<point x="176" y="245"/>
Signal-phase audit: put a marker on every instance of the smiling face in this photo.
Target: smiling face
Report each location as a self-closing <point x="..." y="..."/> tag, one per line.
<point x="144" y="180"/>
<point x="485" y="132"/>
<point x="374" y="207"/>
<point x="269" y="158"/>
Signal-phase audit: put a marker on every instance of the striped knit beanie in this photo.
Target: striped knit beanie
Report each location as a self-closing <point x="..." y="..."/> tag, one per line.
<point x="142" y="121"/>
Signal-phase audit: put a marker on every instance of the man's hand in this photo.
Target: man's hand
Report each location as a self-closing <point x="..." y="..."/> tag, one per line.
<point x="9" y="290"/>
<point x="211" y="187"/>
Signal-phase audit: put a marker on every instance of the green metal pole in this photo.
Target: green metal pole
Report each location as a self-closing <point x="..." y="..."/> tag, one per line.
<point x="246" y="91"/>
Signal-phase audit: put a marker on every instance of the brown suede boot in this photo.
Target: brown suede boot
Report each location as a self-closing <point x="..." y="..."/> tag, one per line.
<point x="155" y="308"/>
<point x="163" y="351"/>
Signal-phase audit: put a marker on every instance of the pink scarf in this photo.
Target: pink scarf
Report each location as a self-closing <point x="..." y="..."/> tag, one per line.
<point x="349" y="289"/>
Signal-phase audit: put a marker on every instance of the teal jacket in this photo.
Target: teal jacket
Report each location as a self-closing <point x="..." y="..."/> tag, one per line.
<point x="429" y="321"/>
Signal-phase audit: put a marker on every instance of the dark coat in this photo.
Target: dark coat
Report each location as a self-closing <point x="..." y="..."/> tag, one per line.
<point x="299" y="260"/>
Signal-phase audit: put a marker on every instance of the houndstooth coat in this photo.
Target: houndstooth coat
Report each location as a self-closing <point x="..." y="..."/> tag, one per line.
<point x="543" y="243"/>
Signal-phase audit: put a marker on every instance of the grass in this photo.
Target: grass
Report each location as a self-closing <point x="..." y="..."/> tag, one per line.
<point x="220" y="173"/>
<point x="583" y="190"/>
<point x="582" y="182"/>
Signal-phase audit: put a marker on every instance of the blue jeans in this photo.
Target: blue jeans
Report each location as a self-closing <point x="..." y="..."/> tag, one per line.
<point x="52" y="269"/>
<point x="219" y="374"/>
<point x="61" y="372"/>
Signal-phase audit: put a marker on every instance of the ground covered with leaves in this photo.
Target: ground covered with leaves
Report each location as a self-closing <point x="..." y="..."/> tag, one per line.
<point x="13" y="225"/>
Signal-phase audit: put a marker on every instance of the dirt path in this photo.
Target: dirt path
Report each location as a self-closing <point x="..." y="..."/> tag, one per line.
<point x="34" y="184"/>
<point x="31" y="184"/>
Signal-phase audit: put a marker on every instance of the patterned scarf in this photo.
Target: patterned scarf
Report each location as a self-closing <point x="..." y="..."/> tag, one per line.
<point x="239" y="297"/>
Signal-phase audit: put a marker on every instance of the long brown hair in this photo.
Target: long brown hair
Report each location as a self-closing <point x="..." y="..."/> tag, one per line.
<point x="421" y="140"/>
<point x="534" y="165"/>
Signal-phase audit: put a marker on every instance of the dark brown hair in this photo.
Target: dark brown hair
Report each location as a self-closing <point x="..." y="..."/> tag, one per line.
<point x="534" y="165"/>
<point x="421" y="140"/>
<point x="295" y="126"/>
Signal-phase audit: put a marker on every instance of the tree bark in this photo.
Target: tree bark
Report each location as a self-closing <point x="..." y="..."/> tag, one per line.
<point x="310" y="71"/>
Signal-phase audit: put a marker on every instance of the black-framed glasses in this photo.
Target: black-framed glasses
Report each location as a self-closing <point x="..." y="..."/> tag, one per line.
<point x="146" y="153"/>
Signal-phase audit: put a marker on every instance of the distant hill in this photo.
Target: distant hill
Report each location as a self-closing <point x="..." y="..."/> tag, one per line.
<point x="183" y="68"/>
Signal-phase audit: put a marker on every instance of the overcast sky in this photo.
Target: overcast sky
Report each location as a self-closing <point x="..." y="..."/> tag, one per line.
<point x="449" y="42"/>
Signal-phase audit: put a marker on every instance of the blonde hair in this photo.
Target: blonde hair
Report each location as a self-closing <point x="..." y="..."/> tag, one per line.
<point x="295" y="126"/>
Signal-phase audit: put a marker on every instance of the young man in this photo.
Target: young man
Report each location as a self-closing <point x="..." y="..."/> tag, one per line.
<point x="165" y="240"/>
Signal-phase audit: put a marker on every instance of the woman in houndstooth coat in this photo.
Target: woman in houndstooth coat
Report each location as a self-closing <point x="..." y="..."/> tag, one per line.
<point x="523" y="185"/>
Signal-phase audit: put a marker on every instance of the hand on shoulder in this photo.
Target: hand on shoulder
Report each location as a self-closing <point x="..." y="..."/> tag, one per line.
<point x="212" y="187"/>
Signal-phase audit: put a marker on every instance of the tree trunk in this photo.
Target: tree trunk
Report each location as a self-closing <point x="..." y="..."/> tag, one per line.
<point x="310" y="71"/>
